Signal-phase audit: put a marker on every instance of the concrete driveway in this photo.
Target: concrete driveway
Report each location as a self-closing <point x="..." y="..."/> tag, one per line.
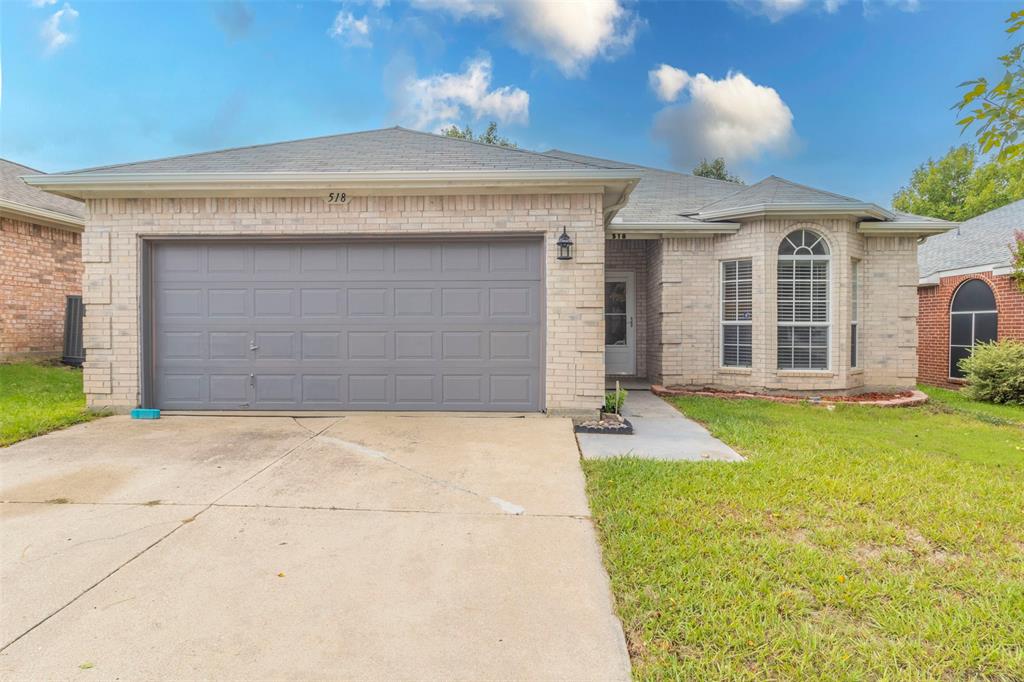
<point x="370" y="547"/>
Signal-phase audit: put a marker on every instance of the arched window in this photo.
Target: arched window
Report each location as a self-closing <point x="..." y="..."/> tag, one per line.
<point x="972" y="320"/>
<point x="803" y="301"/>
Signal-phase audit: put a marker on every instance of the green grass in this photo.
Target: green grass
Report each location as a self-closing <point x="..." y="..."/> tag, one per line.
<point x="856" y="543"/>
<point x="36" y="398"/>
<point x="953" y="401"/>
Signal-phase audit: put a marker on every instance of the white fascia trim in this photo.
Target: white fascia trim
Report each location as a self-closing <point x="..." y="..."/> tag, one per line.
<point x="42" y="215"/>
<point x="918" y="229"/>
<point x="211" y="184"/>
<point x="837" y="209"/>
<point x="935" y="278"/>
<point x="654" y="230"/>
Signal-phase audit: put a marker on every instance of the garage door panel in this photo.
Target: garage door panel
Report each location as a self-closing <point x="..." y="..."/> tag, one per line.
<point x="348" y="325"/>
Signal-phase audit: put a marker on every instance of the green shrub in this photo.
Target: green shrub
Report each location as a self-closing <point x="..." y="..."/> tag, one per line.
<point x="614" y="400"/>
<point x="995" y="372"/>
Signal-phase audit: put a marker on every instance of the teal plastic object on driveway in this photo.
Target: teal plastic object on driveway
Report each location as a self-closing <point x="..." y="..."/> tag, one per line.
<point x="145" y="413"/>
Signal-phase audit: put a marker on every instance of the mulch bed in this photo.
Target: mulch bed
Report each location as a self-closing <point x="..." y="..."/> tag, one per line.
<point x="899" y="399"/>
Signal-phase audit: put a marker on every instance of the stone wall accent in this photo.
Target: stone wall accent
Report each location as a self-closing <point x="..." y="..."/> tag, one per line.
<point x="574" y="371"/>
<point x="933" y="322"/>
<point x="631" y="256"/>
<point x="39" y="267"/>
<point x="687" y="349"/>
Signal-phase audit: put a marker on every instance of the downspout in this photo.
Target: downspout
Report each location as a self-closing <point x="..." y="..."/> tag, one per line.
<point x="610" y="211"/>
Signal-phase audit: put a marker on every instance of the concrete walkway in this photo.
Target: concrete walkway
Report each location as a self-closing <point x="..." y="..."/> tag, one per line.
<point x="369" y="547"/>
<point x="659" y="432"/>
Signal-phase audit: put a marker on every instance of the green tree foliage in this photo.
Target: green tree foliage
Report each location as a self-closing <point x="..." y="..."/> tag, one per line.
<point x="716" y="170"/>
<point x="1017" y="248"/>
<point x="960" y="186"/>
<point x="996" y="109"/>
<point x="490" y="136"/>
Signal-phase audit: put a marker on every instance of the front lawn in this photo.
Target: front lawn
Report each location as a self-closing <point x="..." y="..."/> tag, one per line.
<point x="36" y="398"/>
<point x="857" y="543"/>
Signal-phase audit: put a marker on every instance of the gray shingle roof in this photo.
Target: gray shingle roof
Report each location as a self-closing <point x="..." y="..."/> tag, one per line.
<point x="984" y="240"/>
<point x="776" y="190"/>
<point x="661" y="196"/>
<point x="13" y="188"/>
<point x="389" y="149"/>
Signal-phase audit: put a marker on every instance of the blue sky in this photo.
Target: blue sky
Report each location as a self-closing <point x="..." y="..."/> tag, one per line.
<point x="845" y="95"/>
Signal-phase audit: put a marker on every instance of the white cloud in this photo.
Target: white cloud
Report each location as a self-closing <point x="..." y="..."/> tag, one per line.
<point x="572" y="34"/>
<point x="667" y="82"/>
<point x="351" y="30"/>
<point x="434" y="102"/>
<point x="776" y="10"/>
<point x="734" y="118"/>
<point x="54" y="30"/>
<point x="43" y="3"/>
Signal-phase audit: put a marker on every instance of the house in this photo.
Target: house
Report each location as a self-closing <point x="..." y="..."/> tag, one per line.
<point x="967" y="294"/>
<point x="400" y="270"/>
<point x="40" y="265"/>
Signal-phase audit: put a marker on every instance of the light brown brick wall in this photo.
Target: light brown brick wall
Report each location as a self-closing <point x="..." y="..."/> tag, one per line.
<point x="685" y="348"/>
<point x="574" y="371"/>
<point x="39" y="267"/>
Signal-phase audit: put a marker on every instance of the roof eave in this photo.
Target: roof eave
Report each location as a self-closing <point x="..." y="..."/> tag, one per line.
<point x="658" y="230"/>
<point x="923" y="228"/>
<point x="44" y="216"/>
<point x="862" y="210"/>
<point x="95" y="185"/>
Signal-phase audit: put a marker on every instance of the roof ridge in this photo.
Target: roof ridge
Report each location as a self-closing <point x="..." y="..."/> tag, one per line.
<point x="994" y="210"/>
<point x="813" y="189"/>
<point x="487" y="144"/>
<point x="650" y="168"/>
<point x="229" y="149"/>
<point x="21" y="165"/>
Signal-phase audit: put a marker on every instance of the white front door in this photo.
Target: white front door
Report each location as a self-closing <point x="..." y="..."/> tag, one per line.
<point x="619" y="327"/>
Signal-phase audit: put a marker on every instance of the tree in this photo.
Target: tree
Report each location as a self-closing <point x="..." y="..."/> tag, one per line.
<point x="715" y="170"/>
<point x="490" y="136"/>
<point x="958" y="187"/>
<point x="998" y="108"/>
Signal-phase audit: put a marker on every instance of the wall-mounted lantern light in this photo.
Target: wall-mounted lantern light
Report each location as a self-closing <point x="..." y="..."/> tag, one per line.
<point x="564" y="245"/>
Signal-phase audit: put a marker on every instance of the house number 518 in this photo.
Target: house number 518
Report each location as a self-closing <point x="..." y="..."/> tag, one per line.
<point x="337" y="198"/>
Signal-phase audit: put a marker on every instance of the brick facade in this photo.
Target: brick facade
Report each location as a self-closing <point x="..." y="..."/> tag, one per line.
<point x="933" y="321"/>
<point x="574" y="370"/>
<point x="682" y="308"/>
<point x="39" y="267"/>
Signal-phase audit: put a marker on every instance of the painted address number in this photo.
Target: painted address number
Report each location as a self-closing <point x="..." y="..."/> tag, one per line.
<point x="337" y="198"/>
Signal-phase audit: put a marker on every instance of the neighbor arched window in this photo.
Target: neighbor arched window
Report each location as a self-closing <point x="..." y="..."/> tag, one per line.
<point x="972" y="320"/>
<point x="803" y="305"/>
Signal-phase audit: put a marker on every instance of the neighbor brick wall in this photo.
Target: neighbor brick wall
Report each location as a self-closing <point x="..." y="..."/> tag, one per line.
<point x="933" y="321"/>
<point x="685" y="350"/>
<point x="39" y="267"/>
<point x="574" y="372"/>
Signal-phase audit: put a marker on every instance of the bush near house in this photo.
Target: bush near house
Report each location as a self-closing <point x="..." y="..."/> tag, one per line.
<point x="995" y="372"/>
<point x="36" y="398"/>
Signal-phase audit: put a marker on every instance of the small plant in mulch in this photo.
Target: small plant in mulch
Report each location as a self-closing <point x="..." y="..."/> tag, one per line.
<point x="611" y="419"/>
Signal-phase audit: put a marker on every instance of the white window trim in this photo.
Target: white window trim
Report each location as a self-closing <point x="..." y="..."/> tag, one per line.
<point x="828" y="304"/>
<point x="722" y="322"/>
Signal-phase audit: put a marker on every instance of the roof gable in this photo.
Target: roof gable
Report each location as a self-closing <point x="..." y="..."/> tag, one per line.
<point x="388" y="149"/>
<point x="14" y="191"/>
<point x="982" y="240"/>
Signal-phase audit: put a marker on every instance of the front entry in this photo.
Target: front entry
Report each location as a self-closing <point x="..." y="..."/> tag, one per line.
<point x="619" y="326"/>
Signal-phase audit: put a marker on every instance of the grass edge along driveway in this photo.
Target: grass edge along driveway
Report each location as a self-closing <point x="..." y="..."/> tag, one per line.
<point x="36" y="398"/>
<point x="856" y="543"/>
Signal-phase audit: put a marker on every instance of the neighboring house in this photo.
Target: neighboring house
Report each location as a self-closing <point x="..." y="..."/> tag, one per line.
<point x="40" y="265"/>
<point x="399" y="270"/>
<point x="967" y="294"/>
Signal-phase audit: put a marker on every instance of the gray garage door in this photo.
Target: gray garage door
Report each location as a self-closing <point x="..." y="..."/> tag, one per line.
<point x="357" y="325"/>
